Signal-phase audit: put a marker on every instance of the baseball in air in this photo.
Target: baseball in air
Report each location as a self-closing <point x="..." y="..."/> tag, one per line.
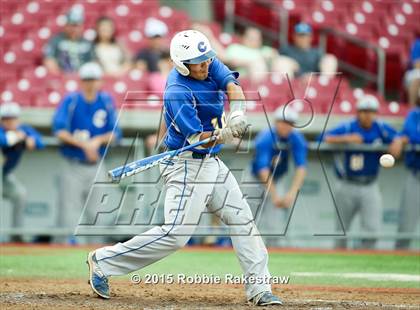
<point x="387" y="160"/>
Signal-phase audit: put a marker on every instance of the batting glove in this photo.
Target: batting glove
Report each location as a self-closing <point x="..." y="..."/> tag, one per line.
<point x="224" y="135"/>
<point x="238" y="123"/>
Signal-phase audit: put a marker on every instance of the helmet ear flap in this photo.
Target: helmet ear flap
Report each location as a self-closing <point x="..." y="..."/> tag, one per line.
<point x="182" y="69"/>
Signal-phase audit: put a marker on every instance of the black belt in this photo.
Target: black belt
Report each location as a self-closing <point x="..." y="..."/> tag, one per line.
<point x="202" y="156"/>
<point x="199" y="155"/>
<point x="360" y="180"/>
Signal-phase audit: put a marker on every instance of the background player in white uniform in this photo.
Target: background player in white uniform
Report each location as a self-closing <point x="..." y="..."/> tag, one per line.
<point x="358" y="189"/>
<point x="194" y="100"/>
<point x="410" y="204"/>
<point x="270" y="161"/>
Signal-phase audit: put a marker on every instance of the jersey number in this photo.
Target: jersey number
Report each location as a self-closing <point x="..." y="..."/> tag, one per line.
<point x="215" y="121"/>
<point x="356" y="162"/>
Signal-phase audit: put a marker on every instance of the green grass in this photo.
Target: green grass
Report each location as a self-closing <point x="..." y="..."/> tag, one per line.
<point x="70" y="263"/>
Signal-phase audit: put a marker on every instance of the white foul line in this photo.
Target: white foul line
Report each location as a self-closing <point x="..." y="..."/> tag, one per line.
<point x="367" y="276"/>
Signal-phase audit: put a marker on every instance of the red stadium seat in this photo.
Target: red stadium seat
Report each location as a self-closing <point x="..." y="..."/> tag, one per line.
<point x="134" y="81"/>
<point x="394" y="108"/>
<point x="19" y="22"/>
<point x="10" y="62"/>
<point x="41" y="78"/>
<point x="20" y="92"/>
<point x="175" y="19"/>
<point x="133" y="40"/>
<point x="48" y="99"/>
<point x="136" y="7"/>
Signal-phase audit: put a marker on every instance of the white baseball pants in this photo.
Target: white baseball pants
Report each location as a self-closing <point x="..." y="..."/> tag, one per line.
<point x="191" y="185"/>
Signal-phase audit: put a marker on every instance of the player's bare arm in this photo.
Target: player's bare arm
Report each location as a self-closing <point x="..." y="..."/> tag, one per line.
<point x="396" y="147"/>
<point x="264" y="176"/>
<point x="103" y="139"/>
<point x="67" y="138"/>
<point x="297" y="183"/>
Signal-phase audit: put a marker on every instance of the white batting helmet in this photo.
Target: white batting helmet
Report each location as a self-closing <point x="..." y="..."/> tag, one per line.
<point x="190" y="47"/>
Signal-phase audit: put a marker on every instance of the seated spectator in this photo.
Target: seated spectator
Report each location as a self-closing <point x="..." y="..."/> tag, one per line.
<point x="301" y="57"/>
<point x="412" y="76"/>
<point x="15" y="139"/>
<point x="112" y="56"/>
<point x="68" y="50"/>
<point x="147" y="58"/>
<point x="251" y="58"/>
<point x="157" y="80"/>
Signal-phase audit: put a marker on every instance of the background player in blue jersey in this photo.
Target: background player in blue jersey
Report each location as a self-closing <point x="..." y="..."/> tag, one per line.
<point x="193" y="101"/>
<point x="410" y="204"/>
<point x="270" y="161"/>
<point x="15" y="139"/>
<point x="84" y="123"/>
<point x="358" y="190"/>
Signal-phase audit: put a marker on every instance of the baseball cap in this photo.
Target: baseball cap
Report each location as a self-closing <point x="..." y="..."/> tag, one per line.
<point x="76" y="15"/>
<point x="155" y="28"/>
<point x="368" y="103"/>
<point x="90" y="71"/>
<point x="9" y="110"/>
<point x="303" y="28"/>
<point x="286" y="113"/>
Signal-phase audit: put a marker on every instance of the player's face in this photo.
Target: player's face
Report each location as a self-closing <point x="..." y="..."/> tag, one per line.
<point x="9" y="123"/>
<point x="90" y="86"/>
<point x="283" y="128"/>
<point x="366" y="118"/>
<point x="200" y="71"/>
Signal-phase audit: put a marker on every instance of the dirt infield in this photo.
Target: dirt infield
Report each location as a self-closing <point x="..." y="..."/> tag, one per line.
<point x="75" y="294"/>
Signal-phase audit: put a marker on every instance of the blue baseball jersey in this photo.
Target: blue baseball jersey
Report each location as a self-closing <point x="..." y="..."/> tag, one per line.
<point x="362" y="163"/>
<point x="85" y="120"/>
<point x="411" y="130"/>
<point x="192" y="106"/>
<point x="267" y="152"/>
<point x="13" y="154"/>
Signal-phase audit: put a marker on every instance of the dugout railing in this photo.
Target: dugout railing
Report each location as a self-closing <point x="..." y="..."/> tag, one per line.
<point x="315" y="148"/>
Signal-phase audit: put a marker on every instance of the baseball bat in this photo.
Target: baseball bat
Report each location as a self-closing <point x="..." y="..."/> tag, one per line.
<point x="151" y="161"/>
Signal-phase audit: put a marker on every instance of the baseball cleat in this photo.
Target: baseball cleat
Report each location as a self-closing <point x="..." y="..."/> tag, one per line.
<point x="97" y="280"/>
<point x="266" y="299"/>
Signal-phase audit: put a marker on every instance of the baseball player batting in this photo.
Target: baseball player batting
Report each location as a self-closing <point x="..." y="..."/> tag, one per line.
<point x="196" y="179"/>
